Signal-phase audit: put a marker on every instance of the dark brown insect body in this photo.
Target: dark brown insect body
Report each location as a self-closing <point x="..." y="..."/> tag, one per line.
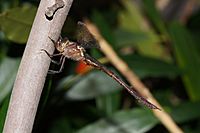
<point x="76" y="51"/>
<point x="70" y="49"/>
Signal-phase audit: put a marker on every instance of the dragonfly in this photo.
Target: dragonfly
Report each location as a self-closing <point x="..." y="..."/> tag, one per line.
<point x="77" y="51"/>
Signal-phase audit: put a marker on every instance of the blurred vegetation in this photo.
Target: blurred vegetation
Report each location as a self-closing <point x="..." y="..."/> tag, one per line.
<point x="158" y="40"/>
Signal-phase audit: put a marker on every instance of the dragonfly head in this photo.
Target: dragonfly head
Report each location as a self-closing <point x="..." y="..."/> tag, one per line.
<point x="61" y="44"/>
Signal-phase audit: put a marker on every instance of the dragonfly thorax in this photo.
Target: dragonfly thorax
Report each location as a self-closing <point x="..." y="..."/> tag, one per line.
<point x="71" y="49"/>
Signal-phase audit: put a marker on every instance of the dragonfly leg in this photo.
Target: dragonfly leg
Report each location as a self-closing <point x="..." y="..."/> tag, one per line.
<point x="55" y="42"/>
<point x="51" y="56"/>
<point x="58" y="63"/>
<point x="61" y="68"/>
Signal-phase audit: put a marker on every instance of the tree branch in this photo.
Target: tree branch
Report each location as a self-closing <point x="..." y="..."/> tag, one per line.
<point x="33" y="69"/>
<point x="165" y="118"/>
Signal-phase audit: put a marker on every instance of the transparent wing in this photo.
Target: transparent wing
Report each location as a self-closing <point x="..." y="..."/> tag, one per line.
<point x="85" y="38"/>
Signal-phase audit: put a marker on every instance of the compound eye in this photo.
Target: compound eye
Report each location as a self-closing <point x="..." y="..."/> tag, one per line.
<point x="60" y="39"/>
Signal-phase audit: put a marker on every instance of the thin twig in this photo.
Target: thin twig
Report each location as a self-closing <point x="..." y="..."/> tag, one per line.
<point x="33" y="70"/>
<point x="133" y="79"/>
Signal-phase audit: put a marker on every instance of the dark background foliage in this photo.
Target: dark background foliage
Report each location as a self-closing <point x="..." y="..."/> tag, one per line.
<point x="158" y="40"/>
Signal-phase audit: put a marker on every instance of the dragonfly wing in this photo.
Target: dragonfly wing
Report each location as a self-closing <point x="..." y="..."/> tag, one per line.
<point x="85" y="38"/>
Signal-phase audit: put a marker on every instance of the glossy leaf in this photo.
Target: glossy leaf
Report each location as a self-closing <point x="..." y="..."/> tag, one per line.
<point x="187" y="56"/>
<point x="91" y="85"/>
<point x="150" y="67"/>
<point x="8" y="71"/>
<point x="68" y="81"/>
<point x="132" y="121"/>
<point x="16" y="23"/>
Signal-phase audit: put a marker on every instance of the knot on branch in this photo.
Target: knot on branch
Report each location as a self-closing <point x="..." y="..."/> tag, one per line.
<point x="52" y="9"/>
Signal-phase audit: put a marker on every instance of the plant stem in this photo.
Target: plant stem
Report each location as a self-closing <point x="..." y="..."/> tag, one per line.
<point x="33" y="69"/>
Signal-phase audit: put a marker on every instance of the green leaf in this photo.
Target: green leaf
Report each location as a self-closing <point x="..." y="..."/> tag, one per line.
<point x="16" y="23"/>
<point x="93" y="84"/>
<point x="68" y="81"/>
<point x="126" y="37"/>
<point x="133" y="23"/>
<point x="108" y="103"/>
<point x="187" y="56"/>
<point x="131" y="121"/>
<point x="131" y="18"/>
<point x="8" y="71"/>
<point x="103" y="26"/>
<point x="185" y="112"/>
<point x="3" y="112"/>
<point x="151" y="67"/>
<point x="153" y="14"/>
